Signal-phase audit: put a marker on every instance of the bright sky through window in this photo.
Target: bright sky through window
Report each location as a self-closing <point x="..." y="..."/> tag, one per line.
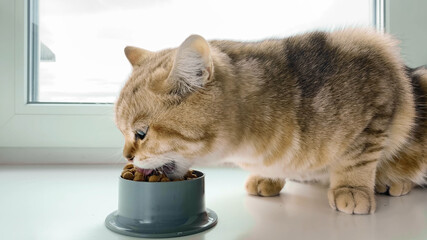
<point x="82" y="41"/>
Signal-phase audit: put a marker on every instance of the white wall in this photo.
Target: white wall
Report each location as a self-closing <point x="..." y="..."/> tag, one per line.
<point x="407" y="20"/>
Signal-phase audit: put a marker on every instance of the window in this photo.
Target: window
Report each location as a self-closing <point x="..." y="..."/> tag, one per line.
<point x="78" y="45"/>
<point x="62" y="62"/>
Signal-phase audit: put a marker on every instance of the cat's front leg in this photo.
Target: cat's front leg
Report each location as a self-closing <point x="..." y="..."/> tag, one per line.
<point x="352" y="176"/>
<point x="352" y="183"/>
<point x="266" y="187"/>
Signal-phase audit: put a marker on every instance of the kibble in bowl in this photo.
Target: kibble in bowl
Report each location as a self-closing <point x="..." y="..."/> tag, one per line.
<point x="130" y="172"/>
<point x="152" y="205"/>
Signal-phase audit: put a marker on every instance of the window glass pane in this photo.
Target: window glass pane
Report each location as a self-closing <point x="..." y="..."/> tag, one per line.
<point x="79" y="47"/>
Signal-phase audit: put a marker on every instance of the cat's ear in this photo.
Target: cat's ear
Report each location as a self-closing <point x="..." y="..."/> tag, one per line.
<point x="136" y="55"/>
<point x="193" y="65"/>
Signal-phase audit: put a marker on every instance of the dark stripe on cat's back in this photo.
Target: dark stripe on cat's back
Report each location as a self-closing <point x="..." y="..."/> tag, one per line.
<point x="311" y="61"/>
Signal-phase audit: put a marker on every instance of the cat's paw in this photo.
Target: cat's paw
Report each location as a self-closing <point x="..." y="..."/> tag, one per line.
<point x="265" y="187"/>
<point x="352" y="200"/>
<point x="395" y="189"/>
<point x="400" y="189"/>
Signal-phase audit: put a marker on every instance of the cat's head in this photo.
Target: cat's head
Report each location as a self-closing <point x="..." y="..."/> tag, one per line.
<point x="165" y="110"/>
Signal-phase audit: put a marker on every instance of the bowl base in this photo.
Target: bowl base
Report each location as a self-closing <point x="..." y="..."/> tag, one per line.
<point x="143" y="229"/>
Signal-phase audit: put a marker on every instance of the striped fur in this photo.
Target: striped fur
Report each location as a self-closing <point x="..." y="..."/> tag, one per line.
<point x="334" y="106"/>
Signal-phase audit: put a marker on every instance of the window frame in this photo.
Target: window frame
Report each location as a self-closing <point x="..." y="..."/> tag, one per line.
<point x="25" y="126"/>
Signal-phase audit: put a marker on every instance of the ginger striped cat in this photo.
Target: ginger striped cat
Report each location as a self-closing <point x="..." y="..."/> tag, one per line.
<point x="339" y="106"/>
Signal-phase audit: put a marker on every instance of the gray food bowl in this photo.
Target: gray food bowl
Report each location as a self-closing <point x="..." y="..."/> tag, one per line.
<point x="161" y="209"/>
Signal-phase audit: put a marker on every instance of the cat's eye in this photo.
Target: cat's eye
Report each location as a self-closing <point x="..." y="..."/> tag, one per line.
<point x="140" y="134"/>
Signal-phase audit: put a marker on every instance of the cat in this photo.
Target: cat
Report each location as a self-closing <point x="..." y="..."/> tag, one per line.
<point x="338" y="106"/>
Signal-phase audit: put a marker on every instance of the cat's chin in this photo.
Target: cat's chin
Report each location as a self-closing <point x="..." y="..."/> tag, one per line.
<point x="171" y="169"/>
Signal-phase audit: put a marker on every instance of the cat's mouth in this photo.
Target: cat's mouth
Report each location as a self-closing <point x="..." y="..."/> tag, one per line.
<point x="168" y="169"/>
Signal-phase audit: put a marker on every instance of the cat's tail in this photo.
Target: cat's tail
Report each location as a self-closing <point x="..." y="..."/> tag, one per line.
<point x="418" y="75"/>
<point x="418" y="78"/>
<point x="419" y="82"/>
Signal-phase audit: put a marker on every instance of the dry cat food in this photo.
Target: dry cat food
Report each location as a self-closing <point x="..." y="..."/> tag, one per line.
<point x="130" y="172"/>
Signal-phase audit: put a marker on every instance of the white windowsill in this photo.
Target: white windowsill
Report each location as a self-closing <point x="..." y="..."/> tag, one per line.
<point x="71" y="202"/>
